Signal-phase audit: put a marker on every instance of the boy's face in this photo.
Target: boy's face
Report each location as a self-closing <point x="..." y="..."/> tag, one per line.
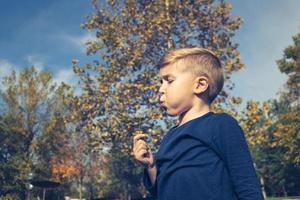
<point x="176" y="91"/>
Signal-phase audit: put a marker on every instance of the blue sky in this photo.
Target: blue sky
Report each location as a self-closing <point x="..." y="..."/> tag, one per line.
<point x="47" y="34"/>
<point x="267" y="30"/>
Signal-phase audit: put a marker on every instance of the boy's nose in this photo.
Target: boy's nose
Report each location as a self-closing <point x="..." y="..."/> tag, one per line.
<point x="161" y="94"/>
<point x="161" y="90"/>
<point x="161" y="97"/>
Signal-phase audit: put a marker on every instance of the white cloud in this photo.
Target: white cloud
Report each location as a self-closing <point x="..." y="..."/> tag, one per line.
<point x="78" y="42"/>
<point x="64" y="75"/>
<point x="6" y="68"/>
<point x="36" y="61"/>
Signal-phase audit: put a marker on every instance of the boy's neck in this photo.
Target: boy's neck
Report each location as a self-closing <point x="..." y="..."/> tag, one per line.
<point x="194" y="112"/>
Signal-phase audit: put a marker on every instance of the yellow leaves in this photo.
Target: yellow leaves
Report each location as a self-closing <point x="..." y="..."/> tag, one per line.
<point x="238" y="66"/>
<point x="284" y="132"/>
<point x="130" y="63"/>
<point x="256" y="138"/>
<point x="274" y="144"/>
<point x="138" y="132"/>
<point x="256" y="122"/>
<point x="34" y="144"/>
<point x="214" y="37"/>
<point x="73" y="117"/>
<point x="236" y="100"/>
<point x="155" y="115"/>
<point x="64" y="170"/>
<point x="269" y="122"/>
<point x="266" y="107"/>
<point x="50" y="125"/>
<point x="228" y="64"/>
<point x="154" y="99"/>
<point x="277" y="134"/>
<point x="97" y="129"/>
<point x="134" y="40"/>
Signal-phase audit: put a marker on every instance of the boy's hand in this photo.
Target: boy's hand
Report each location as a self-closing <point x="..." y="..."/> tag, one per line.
<point x="141" y="151"/>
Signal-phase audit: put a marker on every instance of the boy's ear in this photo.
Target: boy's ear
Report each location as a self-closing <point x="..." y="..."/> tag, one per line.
<point x="200" y="84"/>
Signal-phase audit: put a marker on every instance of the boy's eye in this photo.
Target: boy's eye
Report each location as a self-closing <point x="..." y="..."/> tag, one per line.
<point x="167" y="80"/>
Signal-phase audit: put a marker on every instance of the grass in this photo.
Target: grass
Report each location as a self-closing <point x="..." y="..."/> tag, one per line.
<point x="283" y="198"/>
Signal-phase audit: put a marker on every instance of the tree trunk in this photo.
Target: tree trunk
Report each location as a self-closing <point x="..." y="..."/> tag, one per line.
<point x="284" y="191"/>
<point x="169" y="26"/>
<point x="80" y="188"/>
<point x="263" y="189"/>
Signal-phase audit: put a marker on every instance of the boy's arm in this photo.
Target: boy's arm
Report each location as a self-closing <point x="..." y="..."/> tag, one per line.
<point x="152" y="171"/>
<point x="149" y="179"/>
<point x="234" y="150"/>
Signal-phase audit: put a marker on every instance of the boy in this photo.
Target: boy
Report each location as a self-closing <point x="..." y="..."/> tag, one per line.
<point x="205" y="156"/>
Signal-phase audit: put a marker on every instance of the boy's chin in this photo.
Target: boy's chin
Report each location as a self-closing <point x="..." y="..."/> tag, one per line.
<point x="169" y="112"/>
<point x="172" y="114"/>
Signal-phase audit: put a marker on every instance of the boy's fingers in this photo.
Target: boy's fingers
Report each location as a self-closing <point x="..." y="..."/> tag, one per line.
<point x="140" y="147"/>
<point x="140" y="143"/>
<point x="140" y="154"/>
<point x="139" y="136"/>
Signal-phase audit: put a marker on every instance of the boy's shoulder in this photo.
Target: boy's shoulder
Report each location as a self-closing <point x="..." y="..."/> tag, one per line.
<point x="224" y="126"/>
<point x="224" y="118"/>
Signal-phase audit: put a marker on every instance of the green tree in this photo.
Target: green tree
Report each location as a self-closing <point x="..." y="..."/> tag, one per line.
<point x="256" y="120"/>
<point x="79" y="163"/>
<point x="12" y="159"/>
<point x="272" y="129"/>
<point x="32" y="105"/>
<point x="287" y="132"/>
<point x="120" y="90"/>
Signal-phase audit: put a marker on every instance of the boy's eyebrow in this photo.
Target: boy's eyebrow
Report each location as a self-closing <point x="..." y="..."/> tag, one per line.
<point x="167" y="76"/>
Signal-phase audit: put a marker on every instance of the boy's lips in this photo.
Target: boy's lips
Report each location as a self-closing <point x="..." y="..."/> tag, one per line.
<point x="162" y="104"/>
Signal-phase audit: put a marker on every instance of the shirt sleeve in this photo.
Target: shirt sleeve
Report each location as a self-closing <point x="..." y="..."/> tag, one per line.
<point x="232" y="146"/>
<point x="147" y="183"/>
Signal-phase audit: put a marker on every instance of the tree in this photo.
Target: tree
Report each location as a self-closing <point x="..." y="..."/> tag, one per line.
<point x="287" y="132"/>
<point x="272" y="130"/>
<point x="78" y="159"/>
<point x="31" y="126"/>
<point x="256" y="120"/>
<point x="12" y="159"/>
<point x="120" y="90"/>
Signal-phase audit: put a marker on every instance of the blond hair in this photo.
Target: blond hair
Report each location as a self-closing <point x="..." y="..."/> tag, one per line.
<point x="200" y="62"/>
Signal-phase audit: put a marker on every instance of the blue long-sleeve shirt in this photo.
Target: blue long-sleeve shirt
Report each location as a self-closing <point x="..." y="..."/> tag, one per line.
<point x="206" y="158"/>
